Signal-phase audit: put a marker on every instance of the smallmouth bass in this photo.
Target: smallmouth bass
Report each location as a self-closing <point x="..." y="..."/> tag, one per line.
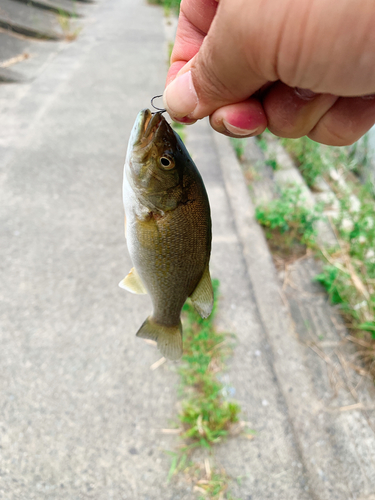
<point x="167" y="229"/>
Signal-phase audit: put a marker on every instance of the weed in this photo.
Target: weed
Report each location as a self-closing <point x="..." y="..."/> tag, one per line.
<point x="344" y="289"/>
<point x="180" y="129"/>
<point x="360" y="154"/>
<point x="356" y="227"/>
<point x="348" y="273"/>
<point x="215" y="487"/>
<point x="206" y="415"/>
<point x="272" y="162"/>
<point x="349" y="277"/>
<point x="169" y="5"/>
<point x="316" y="160"/>
<point x="262" y="143"/>
<point x="290" y="216"/>
<point x="65" y="21"/>
<point x="213" y="484"/>
<point x="238" y="146"/>
<point x="368" y="326"/>
<point x="251" y="174"/>
<point x="310" y="157"/>
<point x="333" y="281"/>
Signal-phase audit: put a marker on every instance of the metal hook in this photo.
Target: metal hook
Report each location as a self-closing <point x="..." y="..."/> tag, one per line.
<point x="159" y="110"/>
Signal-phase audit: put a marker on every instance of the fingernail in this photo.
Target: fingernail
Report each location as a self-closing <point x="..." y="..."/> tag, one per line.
<point x="185" y="120"/>
<point x="238" y="131"/>
<point x="304" y="93"/>
<point x="180" y="98"/>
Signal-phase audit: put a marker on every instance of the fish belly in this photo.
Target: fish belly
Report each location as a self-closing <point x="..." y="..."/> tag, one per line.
<point x="170" y="254"/>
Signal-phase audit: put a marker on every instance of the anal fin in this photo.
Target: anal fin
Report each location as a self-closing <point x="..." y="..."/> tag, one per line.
<point x="133" y="283"/>
<point x="169" y="338"/>
<point x="203" y="295"/>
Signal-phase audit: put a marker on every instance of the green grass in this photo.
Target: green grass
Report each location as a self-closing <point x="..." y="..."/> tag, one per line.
<point x="307" y="154"/>
<point x="262" y="143"/>
<point x="342" y="287"/>
<point x="349" y="276"/>
<point x="316" y="160"/>
<point x="215" y="487"/>
<point x="238" y="146"/>
<point x="348" y="272"/>
<point x="272" y="162"/>
<point x="169" y="5"/>
<point x="180" y="129"/>
<point x="360" y="234"/>
<point x="66" y="22"/>
<point x="206" y="415"/>
<point x="290" y="216"/>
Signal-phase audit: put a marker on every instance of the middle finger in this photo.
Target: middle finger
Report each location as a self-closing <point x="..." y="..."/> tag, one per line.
<point x="294" y="112"/>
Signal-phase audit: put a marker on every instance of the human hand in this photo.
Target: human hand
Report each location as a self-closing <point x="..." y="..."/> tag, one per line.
<point x="298" y="67"/>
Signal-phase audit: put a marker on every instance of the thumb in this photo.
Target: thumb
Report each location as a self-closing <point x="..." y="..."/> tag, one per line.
<point x="218" y="75"/>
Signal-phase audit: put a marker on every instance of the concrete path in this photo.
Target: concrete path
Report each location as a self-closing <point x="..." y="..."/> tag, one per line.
<point x="32" y="33"/>
<point x="81" y="412"/>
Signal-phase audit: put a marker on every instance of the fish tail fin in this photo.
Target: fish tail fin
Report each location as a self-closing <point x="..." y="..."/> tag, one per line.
<point x="169" y="338"/>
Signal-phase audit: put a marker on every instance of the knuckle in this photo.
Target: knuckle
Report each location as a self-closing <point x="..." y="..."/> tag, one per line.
<point x="208" y="77"/>
<point x="331" y="135"/>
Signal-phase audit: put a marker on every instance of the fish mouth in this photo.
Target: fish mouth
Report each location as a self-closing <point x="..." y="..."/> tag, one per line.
<point x="147" y="126"/>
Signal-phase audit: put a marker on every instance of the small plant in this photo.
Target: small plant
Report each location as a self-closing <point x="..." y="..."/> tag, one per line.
<point x="356" y="227"/>
<point x="272" y="162"/>
<point x="262" y="143"/>
<point x="169" y="5"/>
<point x="214" y="487"/>
<point x="349" y="278"/>
<point x="206" y="414"/>
<point x="346" y="289"/>
<point x="290" y="216"/>
<point x="180" y="129"/>
<point x="334" y="281"/>
<point x="65" y="21"/>
<point x="348" y="273"/>
<point x="310" y="157"/>
<point x="238" y="146"/>
<point x="210" y="483"/>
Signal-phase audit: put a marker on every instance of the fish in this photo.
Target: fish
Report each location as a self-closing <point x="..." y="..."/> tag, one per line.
<point x="167" y="229"/>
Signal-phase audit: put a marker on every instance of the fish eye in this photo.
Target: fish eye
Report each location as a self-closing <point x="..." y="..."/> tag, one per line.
<point x="167" y="162"/>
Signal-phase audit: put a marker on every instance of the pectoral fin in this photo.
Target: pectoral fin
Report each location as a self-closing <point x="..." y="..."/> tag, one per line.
<point x="203" y="295"/>
<point x="133" y="283"/>
<point x="169" y="338"/>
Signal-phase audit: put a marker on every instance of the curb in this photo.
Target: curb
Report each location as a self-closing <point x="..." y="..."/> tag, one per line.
<point x="338" y="450"/>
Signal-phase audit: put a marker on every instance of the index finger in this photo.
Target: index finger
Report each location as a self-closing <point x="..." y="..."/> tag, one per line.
<point x="193" y="24"/>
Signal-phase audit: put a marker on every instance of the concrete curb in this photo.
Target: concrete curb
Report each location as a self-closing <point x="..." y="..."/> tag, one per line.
<point x="338" y="450"/>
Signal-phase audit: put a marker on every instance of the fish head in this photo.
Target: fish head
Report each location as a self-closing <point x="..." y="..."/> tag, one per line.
<point x="156" y="160"/>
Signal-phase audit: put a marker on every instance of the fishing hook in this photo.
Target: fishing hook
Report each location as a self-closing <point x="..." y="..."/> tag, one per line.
<point x="158" y="110"/>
